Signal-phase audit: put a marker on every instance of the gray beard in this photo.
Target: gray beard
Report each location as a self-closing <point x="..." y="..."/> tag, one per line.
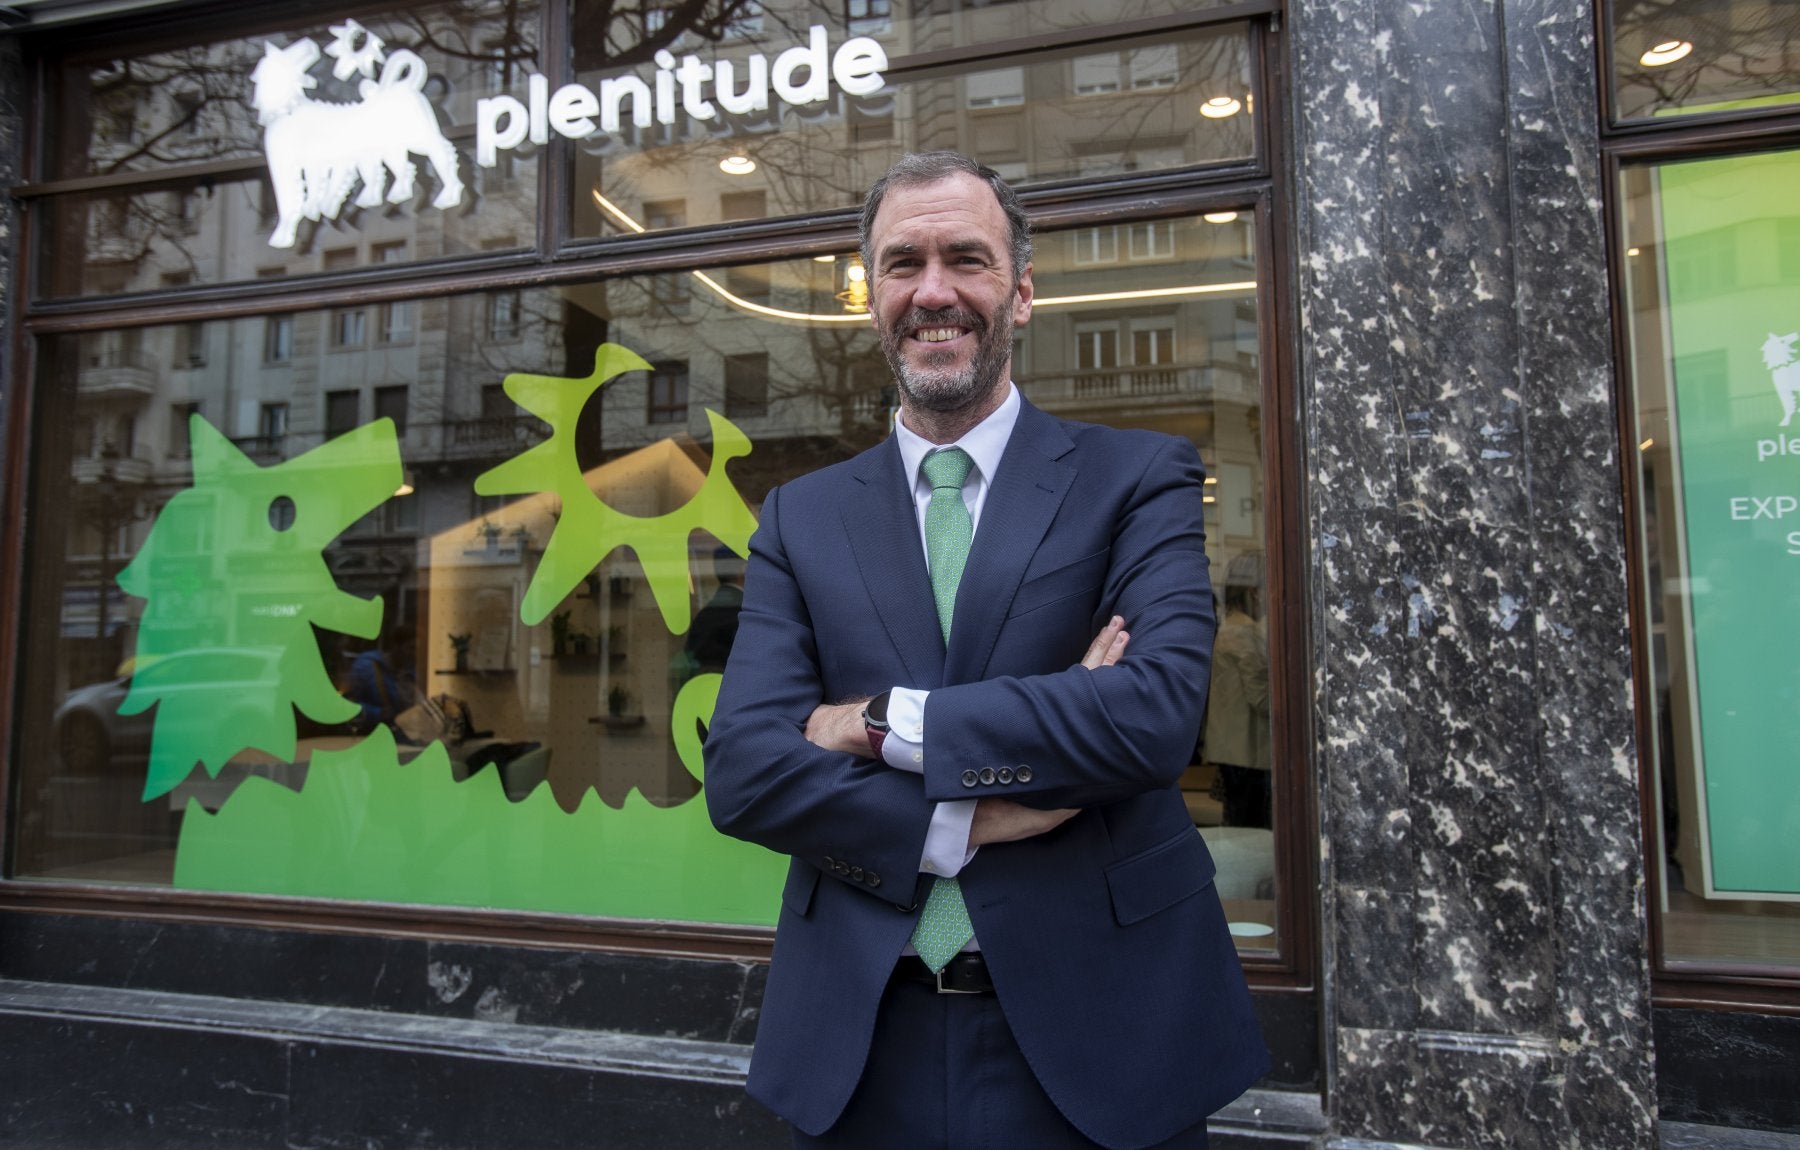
<point x="944" y="391"/>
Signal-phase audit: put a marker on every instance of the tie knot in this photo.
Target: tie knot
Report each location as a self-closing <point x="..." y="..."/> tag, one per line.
<point x="947" y="468"/>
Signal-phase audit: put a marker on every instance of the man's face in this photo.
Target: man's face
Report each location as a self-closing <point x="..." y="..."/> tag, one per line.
<point x="943" y="297"/>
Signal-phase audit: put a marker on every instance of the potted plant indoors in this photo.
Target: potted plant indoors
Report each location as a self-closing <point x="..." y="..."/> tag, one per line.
<point x="618" y="700"/>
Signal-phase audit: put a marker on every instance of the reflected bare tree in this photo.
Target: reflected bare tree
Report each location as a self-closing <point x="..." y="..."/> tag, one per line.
<point x="609" y="34"/>
<point x="1740" y="51"/>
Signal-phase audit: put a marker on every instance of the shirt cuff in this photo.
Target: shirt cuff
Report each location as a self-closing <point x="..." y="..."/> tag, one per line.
<point x="947" y="839"/>
<point x="904" y="747"/>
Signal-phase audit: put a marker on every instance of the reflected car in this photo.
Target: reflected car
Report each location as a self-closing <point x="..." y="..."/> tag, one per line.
<point x="238" y="685"/>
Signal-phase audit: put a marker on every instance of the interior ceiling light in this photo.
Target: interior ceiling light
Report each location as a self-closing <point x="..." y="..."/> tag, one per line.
<point x="1634" y="251"/>
<point x="1219" y="217"/>
<point x="1235" y="287"/>
<point x="1666" y="52"/>
<point x="1219" y="107"/>
<point x="855" y="296"/>
<point x="617" y="213"/>
<point x="737" y="165"/>
<point x="1244" y="286"/>
<point x="825" y="259"/>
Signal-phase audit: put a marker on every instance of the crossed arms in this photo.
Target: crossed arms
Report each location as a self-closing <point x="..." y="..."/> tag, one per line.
<point x="839" y="727"/>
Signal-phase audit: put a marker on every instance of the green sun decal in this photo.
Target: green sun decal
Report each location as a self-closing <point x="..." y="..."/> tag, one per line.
<point x="234" y="577"/>
<point x="589" y="528"/>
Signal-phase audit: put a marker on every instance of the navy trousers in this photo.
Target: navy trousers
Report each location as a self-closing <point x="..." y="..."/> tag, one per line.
<point x="946" y="1074"/>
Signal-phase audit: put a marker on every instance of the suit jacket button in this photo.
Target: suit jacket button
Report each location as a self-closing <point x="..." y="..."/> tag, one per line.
<point x="970" y="778"/>
<point x="1023" y="774"/>
<point x="871" y="878"/>
<point x="856" y="873"/>
<point x="987" y="776"/>
<point x="1004" y="774"/>
<point x="830" y="862"/>
<point x="841" y="867"/>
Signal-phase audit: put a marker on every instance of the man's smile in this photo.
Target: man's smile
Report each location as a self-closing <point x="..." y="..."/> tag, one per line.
<point x="935" y="326"/>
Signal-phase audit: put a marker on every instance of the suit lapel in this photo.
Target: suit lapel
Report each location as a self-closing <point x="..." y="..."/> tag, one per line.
<point x="1020" y="506"/>
<point x="883" y="529"/>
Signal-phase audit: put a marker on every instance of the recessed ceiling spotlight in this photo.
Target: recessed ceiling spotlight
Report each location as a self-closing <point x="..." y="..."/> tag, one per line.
<point x="1666" y="52"/>
<point x="737" y="165"/>
<point x="1219" y="107"/>
<point x="1219" y="217"/>
<point x="825" y="259"/>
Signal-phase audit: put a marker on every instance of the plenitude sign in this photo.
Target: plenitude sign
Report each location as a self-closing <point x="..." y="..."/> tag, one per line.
<point x="320" y="150"/>
<point x="799" y="76"/>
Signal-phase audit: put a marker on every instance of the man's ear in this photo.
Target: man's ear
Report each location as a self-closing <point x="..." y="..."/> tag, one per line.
<point x="1023" y="294"/>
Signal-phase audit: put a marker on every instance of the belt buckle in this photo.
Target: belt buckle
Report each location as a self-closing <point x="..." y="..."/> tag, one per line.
<point x="942" y="989"/>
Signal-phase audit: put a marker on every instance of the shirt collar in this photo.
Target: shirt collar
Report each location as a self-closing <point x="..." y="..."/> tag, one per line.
<point x="985" y="442"/>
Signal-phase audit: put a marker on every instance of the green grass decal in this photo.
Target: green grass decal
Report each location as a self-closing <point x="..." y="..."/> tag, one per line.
<point x="367" y="826"/>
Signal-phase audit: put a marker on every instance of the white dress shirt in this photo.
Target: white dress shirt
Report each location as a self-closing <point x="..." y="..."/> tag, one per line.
<point x="947" y="840"/>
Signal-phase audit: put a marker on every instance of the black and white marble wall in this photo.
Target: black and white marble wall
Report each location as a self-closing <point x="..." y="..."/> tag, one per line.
<point x="1486" y="971"/>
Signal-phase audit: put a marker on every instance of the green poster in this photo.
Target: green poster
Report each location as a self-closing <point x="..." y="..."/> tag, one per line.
<point x="1731" y="232"/>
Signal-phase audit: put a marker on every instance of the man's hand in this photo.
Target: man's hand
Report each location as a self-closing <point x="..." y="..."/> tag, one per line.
<point x="839" y="727"/>
<point x="1108" y="646"/>
<point x="1004" y="821"/>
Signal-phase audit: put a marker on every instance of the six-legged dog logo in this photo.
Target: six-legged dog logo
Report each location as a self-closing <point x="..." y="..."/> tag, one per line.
<point x="318" y="150"/>
<point x="1783" y="363"/>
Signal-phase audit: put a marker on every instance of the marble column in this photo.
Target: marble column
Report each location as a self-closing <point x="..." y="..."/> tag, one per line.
<point x="1486" y="979"/>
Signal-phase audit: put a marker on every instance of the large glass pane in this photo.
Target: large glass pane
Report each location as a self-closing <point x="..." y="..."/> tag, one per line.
<point x="1713" y="293"/>
<point x="1139" y="105"/>
<point x="1692" y="56"/>
<point x="214" y="100"/>
<point x="463" y="653"/>
<point x="355" y="131"/>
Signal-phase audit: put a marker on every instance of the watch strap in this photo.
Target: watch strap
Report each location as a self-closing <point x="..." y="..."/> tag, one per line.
<point x="875" y="724"/>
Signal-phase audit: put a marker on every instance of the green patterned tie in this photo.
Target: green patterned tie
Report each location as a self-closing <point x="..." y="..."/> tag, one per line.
<point x="943" y="927"/>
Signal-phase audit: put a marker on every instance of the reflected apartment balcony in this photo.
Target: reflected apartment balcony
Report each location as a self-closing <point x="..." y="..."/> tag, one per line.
<point x="261" y="446"/>
<point x="109" y="470"/>
<point x="110" y="373"/>
<point x="1192" y="386"/>
<point x="492" y="436"/>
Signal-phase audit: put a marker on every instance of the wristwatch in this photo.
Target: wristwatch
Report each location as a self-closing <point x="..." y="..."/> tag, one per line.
<point x="875" y="723"/>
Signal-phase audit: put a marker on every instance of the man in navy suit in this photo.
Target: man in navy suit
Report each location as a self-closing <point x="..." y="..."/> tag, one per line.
<point x="999" y="927"/>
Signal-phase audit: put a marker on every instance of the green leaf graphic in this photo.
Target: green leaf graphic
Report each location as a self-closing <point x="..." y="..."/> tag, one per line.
<point x="588" y="528"/>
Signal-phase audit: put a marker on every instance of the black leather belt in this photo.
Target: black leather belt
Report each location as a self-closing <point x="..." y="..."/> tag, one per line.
<point x="967" y="973"/>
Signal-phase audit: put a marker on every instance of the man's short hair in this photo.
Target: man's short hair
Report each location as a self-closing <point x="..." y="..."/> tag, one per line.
<point x="918" y="168"/>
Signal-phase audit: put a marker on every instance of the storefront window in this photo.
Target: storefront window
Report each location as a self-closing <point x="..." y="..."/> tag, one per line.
<point x="212" y="101"/>
<point x="346" y="136"/>
<point x="1687" y="58"/>
<point x="463" y="653"/>
<point x="1713" y="304"/>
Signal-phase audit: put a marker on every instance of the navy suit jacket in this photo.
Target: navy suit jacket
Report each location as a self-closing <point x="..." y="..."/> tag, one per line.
<point x="1109" y="952"/>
